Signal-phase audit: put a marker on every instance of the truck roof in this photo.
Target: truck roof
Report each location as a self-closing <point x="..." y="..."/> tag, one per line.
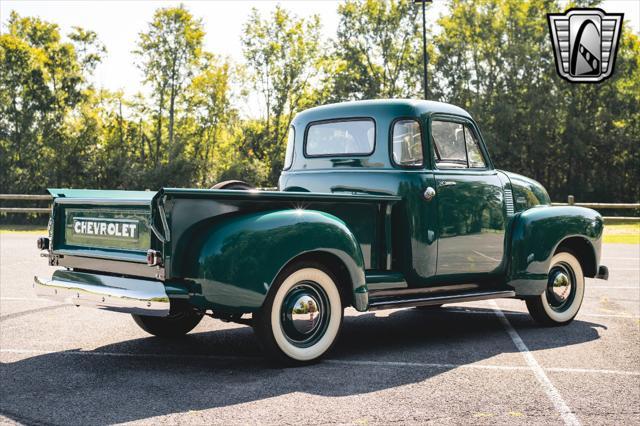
<point x="394" y="107"/>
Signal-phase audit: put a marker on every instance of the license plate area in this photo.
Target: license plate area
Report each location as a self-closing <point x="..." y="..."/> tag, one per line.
<point x="107" y="228"/>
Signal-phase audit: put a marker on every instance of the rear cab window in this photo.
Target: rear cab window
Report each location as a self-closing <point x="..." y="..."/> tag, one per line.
<point x="456" y="146"/>
<point x="342" y="137"/>
<point x="406" y="143"/>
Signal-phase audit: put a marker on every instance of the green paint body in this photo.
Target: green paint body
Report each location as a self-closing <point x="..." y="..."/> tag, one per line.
<point x="226" y="248"/>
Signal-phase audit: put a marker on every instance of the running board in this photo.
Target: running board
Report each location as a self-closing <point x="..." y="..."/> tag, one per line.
<point x="438" y="300"/>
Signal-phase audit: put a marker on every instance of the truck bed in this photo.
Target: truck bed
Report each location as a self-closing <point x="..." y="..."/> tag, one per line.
<point x="111" y="231"/>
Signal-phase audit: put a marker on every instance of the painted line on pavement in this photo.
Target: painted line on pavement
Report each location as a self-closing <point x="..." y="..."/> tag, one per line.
<point x="607" y="287"/>
<point x="558" y="402"/>
<point x="486" y="257"/>
<point x="513" y="313"/>
<point x="610" y="316"/>
<point x="326" y="361"/>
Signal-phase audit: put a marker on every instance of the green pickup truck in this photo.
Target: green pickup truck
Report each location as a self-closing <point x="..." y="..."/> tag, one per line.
<point x="381" y="204"/>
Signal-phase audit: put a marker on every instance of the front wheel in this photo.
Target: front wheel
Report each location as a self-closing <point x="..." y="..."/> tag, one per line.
<point x="175" y="325"/>
<point x="562" y="298"/>
<point x="302" y="315"/>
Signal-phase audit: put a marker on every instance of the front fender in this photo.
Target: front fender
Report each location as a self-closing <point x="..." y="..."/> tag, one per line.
<point x="236" y="260"/>
<point x="535" y="236"/>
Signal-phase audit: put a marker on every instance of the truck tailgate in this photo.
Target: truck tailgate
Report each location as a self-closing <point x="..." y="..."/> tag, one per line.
<point x="113" y="225"/>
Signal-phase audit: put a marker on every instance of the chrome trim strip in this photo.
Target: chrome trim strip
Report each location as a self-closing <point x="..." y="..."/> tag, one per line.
<point x="406" y="293"/>
<point x="103" y="253"/>
<point x="438" y="300"/>
<point x="112" y="202"/>
<point x="127" y="295"/>
<point x="508" y="198"/>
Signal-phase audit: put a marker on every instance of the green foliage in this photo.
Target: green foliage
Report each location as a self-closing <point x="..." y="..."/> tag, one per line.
<point x="492" y="57"/>
<point x="282" y="54"/>
<point x="169" y="52"/>
<point x="42" y="82"/>
<point x="377" y="52"/>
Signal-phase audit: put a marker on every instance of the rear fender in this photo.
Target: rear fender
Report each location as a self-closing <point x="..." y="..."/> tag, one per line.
<point x="536" y="235"/>
<point x="233" y="262"/>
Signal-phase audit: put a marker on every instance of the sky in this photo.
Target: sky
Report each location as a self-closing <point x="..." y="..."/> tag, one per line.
<point x="118" y="23"/>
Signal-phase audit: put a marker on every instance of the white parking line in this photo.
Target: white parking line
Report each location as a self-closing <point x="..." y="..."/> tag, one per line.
<point x="556" y="399"/>
<point x="327" y="361"/>
<point x="512" y="313"/>
<point x="485" y="256"/>
<point x="607" y="287"/>
<point x="592" y="371"/>
<point x="610" y="316"/>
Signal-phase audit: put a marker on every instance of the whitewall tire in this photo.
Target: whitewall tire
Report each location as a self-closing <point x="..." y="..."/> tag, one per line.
<point x="562" y="298"/>
<point x="302" y="315"/>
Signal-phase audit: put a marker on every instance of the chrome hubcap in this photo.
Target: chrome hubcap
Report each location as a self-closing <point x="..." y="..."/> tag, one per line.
<point x="561" y="287"/>
<point x="304" y="314"/>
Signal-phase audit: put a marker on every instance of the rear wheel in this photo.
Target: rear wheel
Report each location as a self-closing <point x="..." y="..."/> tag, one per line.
<point x="233" y="184"/>
<point x="175" y="325"/>
<point x="302" y="315"/>
<point x="562" y="298"/>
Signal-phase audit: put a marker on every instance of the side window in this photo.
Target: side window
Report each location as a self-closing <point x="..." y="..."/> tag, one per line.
<point x="448" y="143"/>
<point x="473" y="149"/>
<point x="346" y="137"/>
<point x="455" y="146"/>
<point x="288" y="156"/>
<point x="407" y="143"/>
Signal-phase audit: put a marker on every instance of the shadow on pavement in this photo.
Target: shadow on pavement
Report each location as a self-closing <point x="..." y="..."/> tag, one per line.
<point x="121" y="383"/>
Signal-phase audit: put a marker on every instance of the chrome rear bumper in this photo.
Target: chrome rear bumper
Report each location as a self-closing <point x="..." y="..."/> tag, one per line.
<point x="128" y="295"/>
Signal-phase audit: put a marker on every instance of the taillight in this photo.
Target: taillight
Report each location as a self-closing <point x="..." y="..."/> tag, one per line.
<point x="43" y="243"/>
<point x="154" y="258"/>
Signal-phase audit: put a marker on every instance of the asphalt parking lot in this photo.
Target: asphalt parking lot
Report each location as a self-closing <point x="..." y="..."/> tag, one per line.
<point x="480" y="363"/>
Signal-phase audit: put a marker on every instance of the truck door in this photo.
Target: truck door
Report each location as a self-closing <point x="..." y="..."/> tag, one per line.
<point x="469" y="201"/>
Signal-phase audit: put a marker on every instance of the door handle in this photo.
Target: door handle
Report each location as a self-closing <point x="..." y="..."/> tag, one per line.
<point x="429" y="193"/>
<point x="447" y="183"/>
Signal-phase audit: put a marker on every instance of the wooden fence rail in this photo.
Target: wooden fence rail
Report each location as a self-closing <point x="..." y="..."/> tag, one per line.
<point x="570" y="202"/>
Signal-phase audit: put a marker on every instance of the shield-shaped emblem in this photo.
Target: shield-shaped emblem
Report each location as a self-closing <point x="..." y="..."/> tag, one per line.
<point x="585" y="43"/>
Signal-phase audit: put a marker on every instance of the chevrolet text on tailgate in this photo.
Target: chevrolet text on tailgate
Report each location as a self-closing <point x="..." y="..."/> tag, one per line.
<point x="381" y="204"/>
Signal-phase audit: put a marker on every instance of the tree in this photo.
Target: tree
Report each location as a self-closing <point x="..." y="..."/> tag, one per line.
<point x="282" y="56"/>
<point x="89" y="50"/>
<point x="42" y="82"/>
<point x="210" y="119"/>
<point x="494" y="58"/>
<point x="169" y="52"/>
<point x="377" y="51"/>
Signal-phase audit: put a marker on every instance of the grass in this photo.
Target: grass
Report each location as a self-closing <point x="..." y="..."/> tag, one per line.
<point x="622" y="232"/>
<point x="27" y="229"/>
